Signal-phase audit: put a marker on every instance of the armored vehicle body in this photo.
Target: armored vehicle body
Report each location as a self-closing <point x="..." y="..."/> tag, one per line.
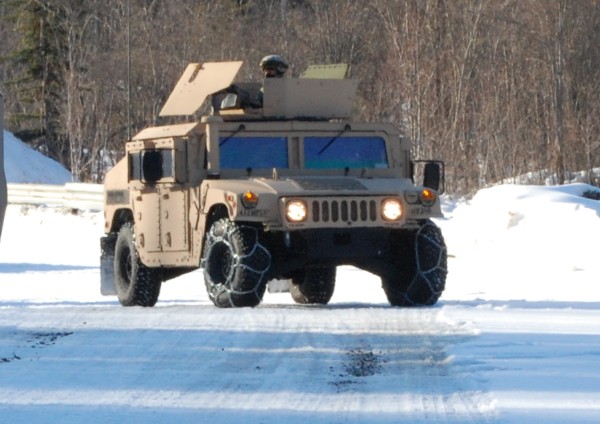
<point x="284" y="191"/>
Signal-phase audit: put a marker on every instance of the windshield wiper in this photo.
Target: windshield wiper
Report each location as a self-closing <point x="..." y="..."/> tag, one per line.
<point x="242" y="127"/>
<point x="330" y="142"/>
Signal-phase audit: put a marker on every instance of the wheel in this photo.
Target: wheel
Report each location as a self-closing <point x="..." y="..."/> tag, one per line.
<point x="235" y="263"/>
<point x="419" y="277"/>
<point x="136" y="284"/>
<point x="313" y="285"/>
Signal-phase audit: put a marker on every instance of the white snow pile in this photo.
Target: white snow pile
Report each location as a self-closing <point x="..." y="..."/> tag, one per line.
<point x="22" y="164"/>
<point x="525" y="242"/>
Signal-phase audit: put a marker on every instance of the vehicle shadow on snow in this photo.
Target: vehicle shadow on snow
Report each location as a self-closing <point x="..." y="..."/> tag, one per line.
<point x="57" y="304"/>
<point x="521" y="304"/>
<point x="330" y="306"/>
<point x="17" y="268"/>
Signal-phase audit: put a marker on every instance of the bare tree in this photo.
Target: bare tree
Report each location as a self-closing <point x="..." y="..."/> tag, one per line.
<point x="495" y="89"/>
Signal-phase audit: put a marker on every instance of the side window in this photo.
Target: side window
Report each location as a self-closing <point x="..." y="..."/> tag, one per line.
<point x="135" y="166"/>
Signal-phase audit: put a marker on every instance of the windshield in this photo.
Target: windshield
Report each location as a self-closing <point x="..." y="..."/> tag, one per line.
<point x="330" y="152"/>
<point x="344" y="152"/>
<point x="254" y="152"/>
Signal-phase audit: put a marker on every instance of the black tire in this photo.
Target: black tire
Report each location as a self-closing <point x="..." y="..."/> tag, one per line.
<point x="136" y="284"/>
<point x="313" y="285"/>
<point x="419" y="277"/>
<point x="235" y="263"/>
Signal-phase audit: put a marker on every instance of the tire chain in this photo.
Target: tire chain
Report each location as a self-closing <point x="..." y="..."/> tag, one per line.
<point x="430" y="234"/>
<point x="238" y="261"/>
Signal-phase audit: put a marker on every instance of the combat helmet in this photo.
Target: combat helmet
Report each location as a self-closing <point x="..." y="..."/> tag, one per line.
<point x="274" y="61"/>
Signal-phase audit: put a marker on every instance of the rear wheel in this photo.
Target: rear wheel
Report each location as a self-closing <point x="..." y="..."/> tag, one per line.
<point x="419" y="275"/>
<point x="135" y="283"/>
<point x="235" y="263"/>
<point x="314" y="285"/>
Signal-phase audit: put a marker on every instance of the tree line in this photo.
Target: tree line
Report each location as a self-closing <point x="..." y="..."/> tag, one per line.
<point x="495" y="89"/>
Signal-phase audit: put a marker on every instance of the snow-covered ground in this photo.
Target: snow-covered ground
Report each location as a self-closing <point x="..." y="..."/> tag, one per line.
<point x="514" y="339"/>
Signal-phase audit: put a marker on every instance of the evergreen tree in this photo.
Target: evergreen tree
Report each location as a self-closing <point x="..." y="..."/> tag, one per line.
<point x="40" y="57"/>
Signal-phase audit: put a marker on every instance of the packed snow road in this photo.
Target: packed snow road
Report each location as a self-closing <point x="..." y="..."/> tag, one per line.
<point x="181" y="362"/>
<point x="353" y="361"/>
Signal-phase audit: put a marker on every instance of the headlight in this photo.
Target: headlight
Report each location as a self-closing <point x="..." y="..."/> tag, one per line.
<point x="391" y="209"/>
<point x="249" y="200"/>
<point x="428" y="197"/>
<point x="295" y="211"/>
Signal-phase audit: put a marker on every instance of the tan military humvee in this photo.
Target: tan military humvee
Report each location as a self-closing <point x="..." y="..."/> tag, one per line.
<point x="281" y="191"/>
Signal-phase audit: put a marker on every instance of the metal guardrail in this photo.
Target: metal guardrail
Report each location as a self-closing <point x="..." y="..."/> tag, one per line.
<point x="71" y="195"/>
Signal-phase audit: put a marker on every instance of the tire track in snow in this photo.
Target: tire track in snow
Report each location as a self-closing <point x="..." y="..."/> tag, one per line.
<point x="334" y="364"/>
<point x="413" y="362"/>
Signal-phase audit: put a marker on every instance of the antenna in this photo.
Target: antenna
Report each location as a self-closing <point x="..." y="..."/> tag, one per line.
<point x="128" y="71"/>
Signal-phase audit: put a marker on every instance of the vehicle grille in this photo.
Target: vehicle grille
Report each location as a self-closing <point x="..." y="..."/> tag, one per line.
<point x="313" y="184"/>
<point x="344" y="210"/>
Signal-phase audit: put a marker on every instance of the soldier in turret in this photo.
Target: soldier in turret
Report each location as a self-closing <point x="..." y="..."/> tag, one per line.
<point x="273" y="66"/>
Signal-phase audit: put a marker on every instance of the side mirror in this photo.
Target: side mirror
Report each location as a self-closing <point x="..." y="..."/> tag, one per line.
<point x="432" y="175"/>
<point x="152" y="165"/>
<point x="432" y="172"/>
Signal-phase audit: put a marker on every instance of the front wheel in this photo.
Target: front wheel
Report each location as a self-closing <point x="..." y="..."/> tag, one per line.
<point x="136" y="284"/>
<point x="419" y="275"/>
<point x="235" y="263"/>
<point x="314" y="285"/>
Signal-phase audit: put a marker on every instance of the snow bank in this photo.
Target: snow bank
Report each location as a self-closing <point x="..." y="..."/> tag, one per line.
<point x="22" y="164"/>
<point x="524" y="242"/>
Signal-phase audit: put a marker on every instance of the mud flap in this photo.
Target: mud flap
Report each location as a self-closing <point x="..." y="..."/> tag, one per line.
<point x="107" y="266"/>
<point x="279" y="286"/>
